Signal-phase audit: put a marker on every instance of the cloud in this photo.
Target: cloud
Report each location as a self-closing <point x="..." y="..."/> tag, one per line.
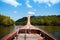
<point x="12" y="2"/>
<point x="48" y="2"/>
<point x="27" y="4"/>
<point x="54" y="1"/>
<point x="41" y="1"/>
<point x="31" y="12"/>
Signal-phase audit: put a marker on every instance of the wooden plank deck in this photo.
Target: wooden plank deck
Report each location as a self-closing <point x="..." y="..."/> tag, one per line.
<point x="28" y="37"/>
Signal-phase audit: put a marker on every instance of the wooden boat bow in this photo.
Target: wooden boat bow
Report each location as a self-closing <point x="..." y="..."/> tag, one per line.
<point x="28" y="32"/>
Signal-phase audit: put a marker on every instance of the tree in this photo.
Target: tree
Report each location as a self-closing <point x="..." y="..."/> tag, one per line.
<point x="5" y="20"/>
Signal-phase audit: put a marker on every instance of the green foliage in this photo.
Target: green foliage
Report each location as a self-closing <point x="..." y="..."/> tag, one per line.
<point x="42" y="20"/>
<point x="5" y="20"/>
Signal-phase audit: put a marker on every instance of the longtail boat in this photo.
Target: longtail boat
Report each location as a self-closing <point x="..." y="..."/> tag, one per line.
<point x="28" y="32"/>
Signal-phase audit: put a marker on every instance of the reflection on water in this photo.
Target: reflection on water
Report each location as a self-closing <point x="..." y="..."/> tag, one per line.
<point x="54" y="30"/>
<point x="5" y="30"/>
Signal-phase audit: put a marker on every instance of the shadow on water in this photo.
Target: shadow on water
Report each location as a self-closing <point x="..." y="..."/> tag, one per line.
<point x="5" y="30"/>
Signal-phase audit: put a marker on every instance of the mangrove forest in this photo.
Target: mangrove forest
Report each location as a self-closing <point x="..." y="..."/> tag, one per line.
<point x="6" y="21"/>
<point x="53" y="20"/>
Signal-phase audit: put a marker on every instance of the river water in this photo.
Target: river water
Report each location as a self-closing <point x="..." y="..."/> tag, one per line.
<point x="53" y="30"/>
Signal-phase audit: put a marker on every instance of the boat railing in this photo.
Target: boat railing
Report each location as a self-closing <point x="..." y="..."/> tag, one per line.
<point x="15" y="33"/>
<point x="11" y="35"/>
<point x="45" y="35"/>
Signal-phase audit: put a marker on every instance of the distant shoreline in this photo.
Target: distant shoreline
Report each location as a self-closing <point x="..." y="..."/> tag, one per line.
<point x="52" y="20"/>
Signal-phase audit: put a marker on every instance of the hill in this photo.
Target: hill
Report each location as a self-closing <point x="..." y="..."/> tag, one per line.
<point x="53" y="20"/>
